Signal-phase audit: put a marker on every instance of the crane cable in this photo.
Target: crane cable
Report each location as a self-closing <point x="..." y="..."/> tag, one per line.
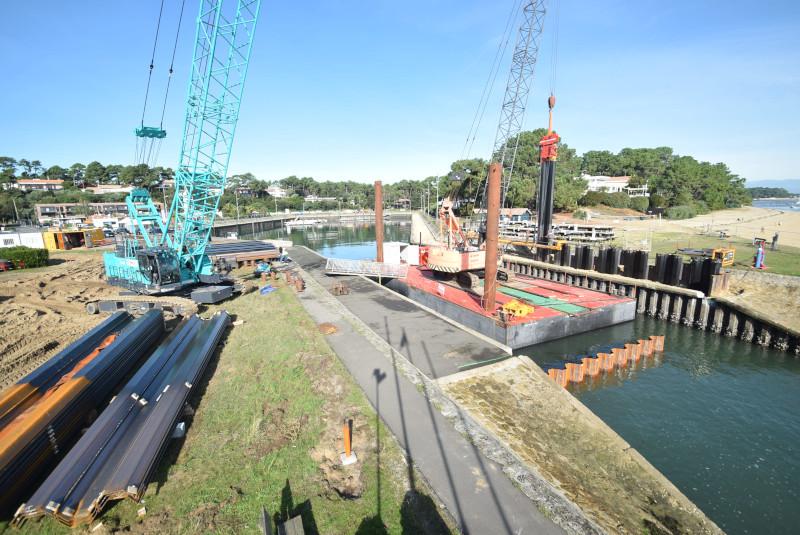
<point x="152" y="60"/>
<point x="554" y="53"/>
<point x="174" y="49"/>
<point x="491" y="79"/>
<point x="144" y="153"/>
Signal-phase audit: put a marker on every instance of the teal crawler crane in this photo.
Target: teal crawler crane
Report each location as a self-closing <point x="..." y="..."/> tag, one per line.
<point x="169" y="258"/>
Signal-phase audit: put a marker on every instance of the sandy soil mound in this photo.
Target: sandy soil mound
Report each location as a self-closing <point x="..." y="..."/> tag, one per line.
<point x="43" y="311"/>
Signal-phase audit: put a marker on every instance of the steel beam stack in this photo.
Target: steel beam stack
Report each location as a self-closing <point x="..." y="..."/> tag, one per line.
<point x="234" y="248"/>
<point x="39" y="433"/>
<point x="22" y="395"/>
<point x="117" y="456"/>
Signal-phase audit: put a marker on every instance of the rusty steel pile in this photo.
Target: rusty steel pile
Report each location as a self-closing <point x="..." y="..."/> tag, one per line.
<point x="606" y="362"/>
<point x="45" y="410"/>
<point x="118" y="454"/>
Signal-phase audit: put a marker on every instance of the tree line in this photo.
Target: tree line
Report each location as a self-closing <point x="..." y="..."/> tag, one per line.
<point x="769" y="193"/>
<point x="673" y="181"/>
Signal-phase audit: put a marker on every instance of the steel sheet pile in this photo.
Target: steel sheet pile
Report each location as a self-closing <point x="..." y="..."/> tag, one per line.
<point x="222" y="249"/>
<point x="44" y="410"/>
<point x="117" y="456"/>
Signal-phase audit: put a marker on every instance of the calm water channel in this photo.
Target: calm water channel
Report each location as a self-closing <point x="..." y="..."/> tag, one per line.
<point x="719" y="418"/>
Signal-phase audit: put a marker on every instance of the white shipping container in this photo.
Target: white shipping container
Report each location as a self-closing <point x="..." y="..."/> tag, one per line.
<point x="34" y="240"/>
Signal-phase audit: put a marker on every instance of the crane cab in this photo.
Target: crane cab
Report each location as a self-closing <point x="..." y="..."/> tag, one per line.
<point x="151" y="270"/>
<point x="159" y="266"/>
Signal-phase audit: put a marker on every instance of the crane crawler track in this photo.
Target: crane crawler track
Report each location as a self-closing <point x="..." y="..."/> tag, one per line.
<point x="139" y="304"/>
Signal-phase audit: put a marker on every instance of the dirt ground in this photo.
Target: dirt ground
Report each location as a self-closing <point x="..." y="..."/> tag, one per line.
<point x="775" y="297"/>
<point x="42" y="311"/>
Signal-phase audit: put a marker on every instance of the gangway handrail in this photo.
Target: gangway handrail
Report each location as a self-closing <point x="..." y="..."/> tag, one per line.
<point x="338" y="266"/>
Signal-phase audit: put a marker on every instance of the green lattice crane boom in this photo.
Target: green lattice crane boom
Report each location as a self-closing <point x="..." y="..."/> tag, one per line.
<point x="177" y="257"/>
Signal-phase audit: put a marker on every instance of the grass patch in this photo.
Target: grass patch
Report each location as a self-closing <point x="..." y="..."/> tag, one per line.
<point x="786" y="261"/>
<point x="269" y="417"/>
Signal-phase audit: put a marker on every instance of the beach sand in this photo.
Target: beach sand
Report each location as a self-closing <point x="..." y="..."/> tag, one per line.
<point x="746" y="222"/>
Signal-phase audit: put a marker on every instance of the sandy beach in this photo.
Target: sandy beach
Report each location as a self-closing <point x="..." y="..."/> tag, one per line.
<point x="747" y="222"/>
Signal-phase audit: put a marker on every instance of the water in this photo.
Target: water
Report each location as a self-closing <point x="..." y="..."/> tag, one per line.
<point x="716" y="416"/>
<point x="792" y="205"/>
<point x="351" y="241"/>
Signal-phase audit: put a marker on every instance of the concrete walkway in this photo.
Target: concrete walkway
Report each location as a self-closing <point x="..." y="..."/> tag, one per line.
<point x="473" y="489"/>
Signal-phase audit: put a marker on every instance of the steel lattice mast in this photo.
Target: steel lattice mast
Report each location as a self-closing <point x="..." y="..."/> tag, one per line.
<point x="221" y="56"/>
<point x="520" y="78"/>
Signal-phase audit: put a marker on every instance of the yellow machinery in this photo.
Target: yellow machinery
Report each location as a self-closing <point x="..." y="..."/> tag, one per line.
<point x="724" y="255"/>
<point x="517" y="309"/>
<point x="72" y="239"/>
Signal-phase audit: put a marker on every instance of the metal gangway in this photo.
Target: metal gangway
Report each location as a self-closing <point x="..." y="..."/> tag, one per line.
<point x="336" y="266"/>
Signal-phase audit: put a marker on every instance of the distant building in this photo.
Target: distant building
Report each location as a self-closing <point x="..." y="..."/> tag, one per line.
<point x="36" y="185"/>
<point x="277" y="191"/>
<point x="314" y="198"/>
<point x="613" y="184"/>
<point x="242" y="191"/>
<point x="402" y="204"/>
<point x="61" y="213"/>
<point x="102" y="189"/>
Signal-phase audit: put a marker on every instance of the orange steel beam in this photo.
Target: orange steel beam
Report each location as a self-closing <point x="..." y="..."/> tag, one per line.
<point x="379" y="219"/>
<point x="492" y="234"/>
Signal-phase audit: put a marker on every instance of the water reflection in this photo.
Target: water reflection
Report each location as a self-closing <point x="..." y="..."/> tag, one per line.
<point x="716" y="416"/>
<point x="349" y="240"/>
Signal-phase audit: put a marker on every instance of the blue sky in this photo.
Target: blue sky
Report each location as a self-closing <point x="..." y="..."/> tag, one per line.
<point x="379" y="90"/>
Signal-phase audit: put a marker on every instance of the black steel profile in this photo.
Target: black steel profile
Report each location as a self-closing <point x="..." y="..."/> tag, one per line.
<point x="221" y="249"/>
<point x="54" y="420"/>
<point x="21" y="395"/>
<point x="118" y="454"/>
<point x="84" y="462"/>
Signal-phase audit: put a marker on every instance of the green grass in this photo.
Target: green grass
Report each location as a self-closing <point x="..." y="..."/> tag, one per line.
<point x="272" y="397"/>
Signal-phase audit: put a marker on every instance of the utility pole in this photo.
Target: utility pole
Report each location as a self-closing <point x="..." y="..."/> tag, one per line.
<point x="236" y="194"/>
<point x="436" y="208"/>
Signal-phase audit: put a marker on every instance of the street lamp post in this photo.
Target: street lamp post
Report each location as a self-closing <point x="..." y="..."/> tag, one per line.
<point x="436" y="208"/>
<point x="236" y="194"/>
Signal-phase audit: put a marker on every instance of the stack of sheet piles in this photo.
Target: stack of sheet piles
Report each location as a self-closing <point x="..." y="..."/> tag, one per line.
<point x="40" y="415"/>
<point x="117" y="456"/>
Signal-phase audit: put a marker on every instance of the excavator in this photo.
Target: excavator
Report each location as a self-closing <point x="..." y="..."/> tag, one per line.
<point x="458" y="257"/>
<point x="164" y="262"/>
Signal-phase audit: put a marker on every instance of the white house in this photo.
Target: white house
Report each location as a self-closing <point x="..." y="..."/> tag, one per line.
<point x="314" y="198"/>
<point x="613" y="184"/>
<point x="36" y="184"/>
<point x="276" y="191"/>
<point x="102" y="189"/>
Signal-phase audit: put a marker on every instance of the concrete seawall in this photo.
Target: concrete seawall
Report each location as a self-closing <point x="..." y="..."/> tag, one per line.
<point x="422" y="233"/>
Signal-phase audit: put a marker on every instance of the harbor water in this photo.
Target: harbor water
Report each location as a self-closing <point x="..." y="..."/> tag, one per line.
<point x="716" y="416"/>
<point x="350" y="241"/>
<point x="792" y="204"/>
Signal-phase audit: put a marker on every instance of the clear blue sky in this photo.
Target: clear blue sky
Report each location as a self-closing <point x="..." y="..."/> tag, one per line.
<point x="369" y="90"/>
